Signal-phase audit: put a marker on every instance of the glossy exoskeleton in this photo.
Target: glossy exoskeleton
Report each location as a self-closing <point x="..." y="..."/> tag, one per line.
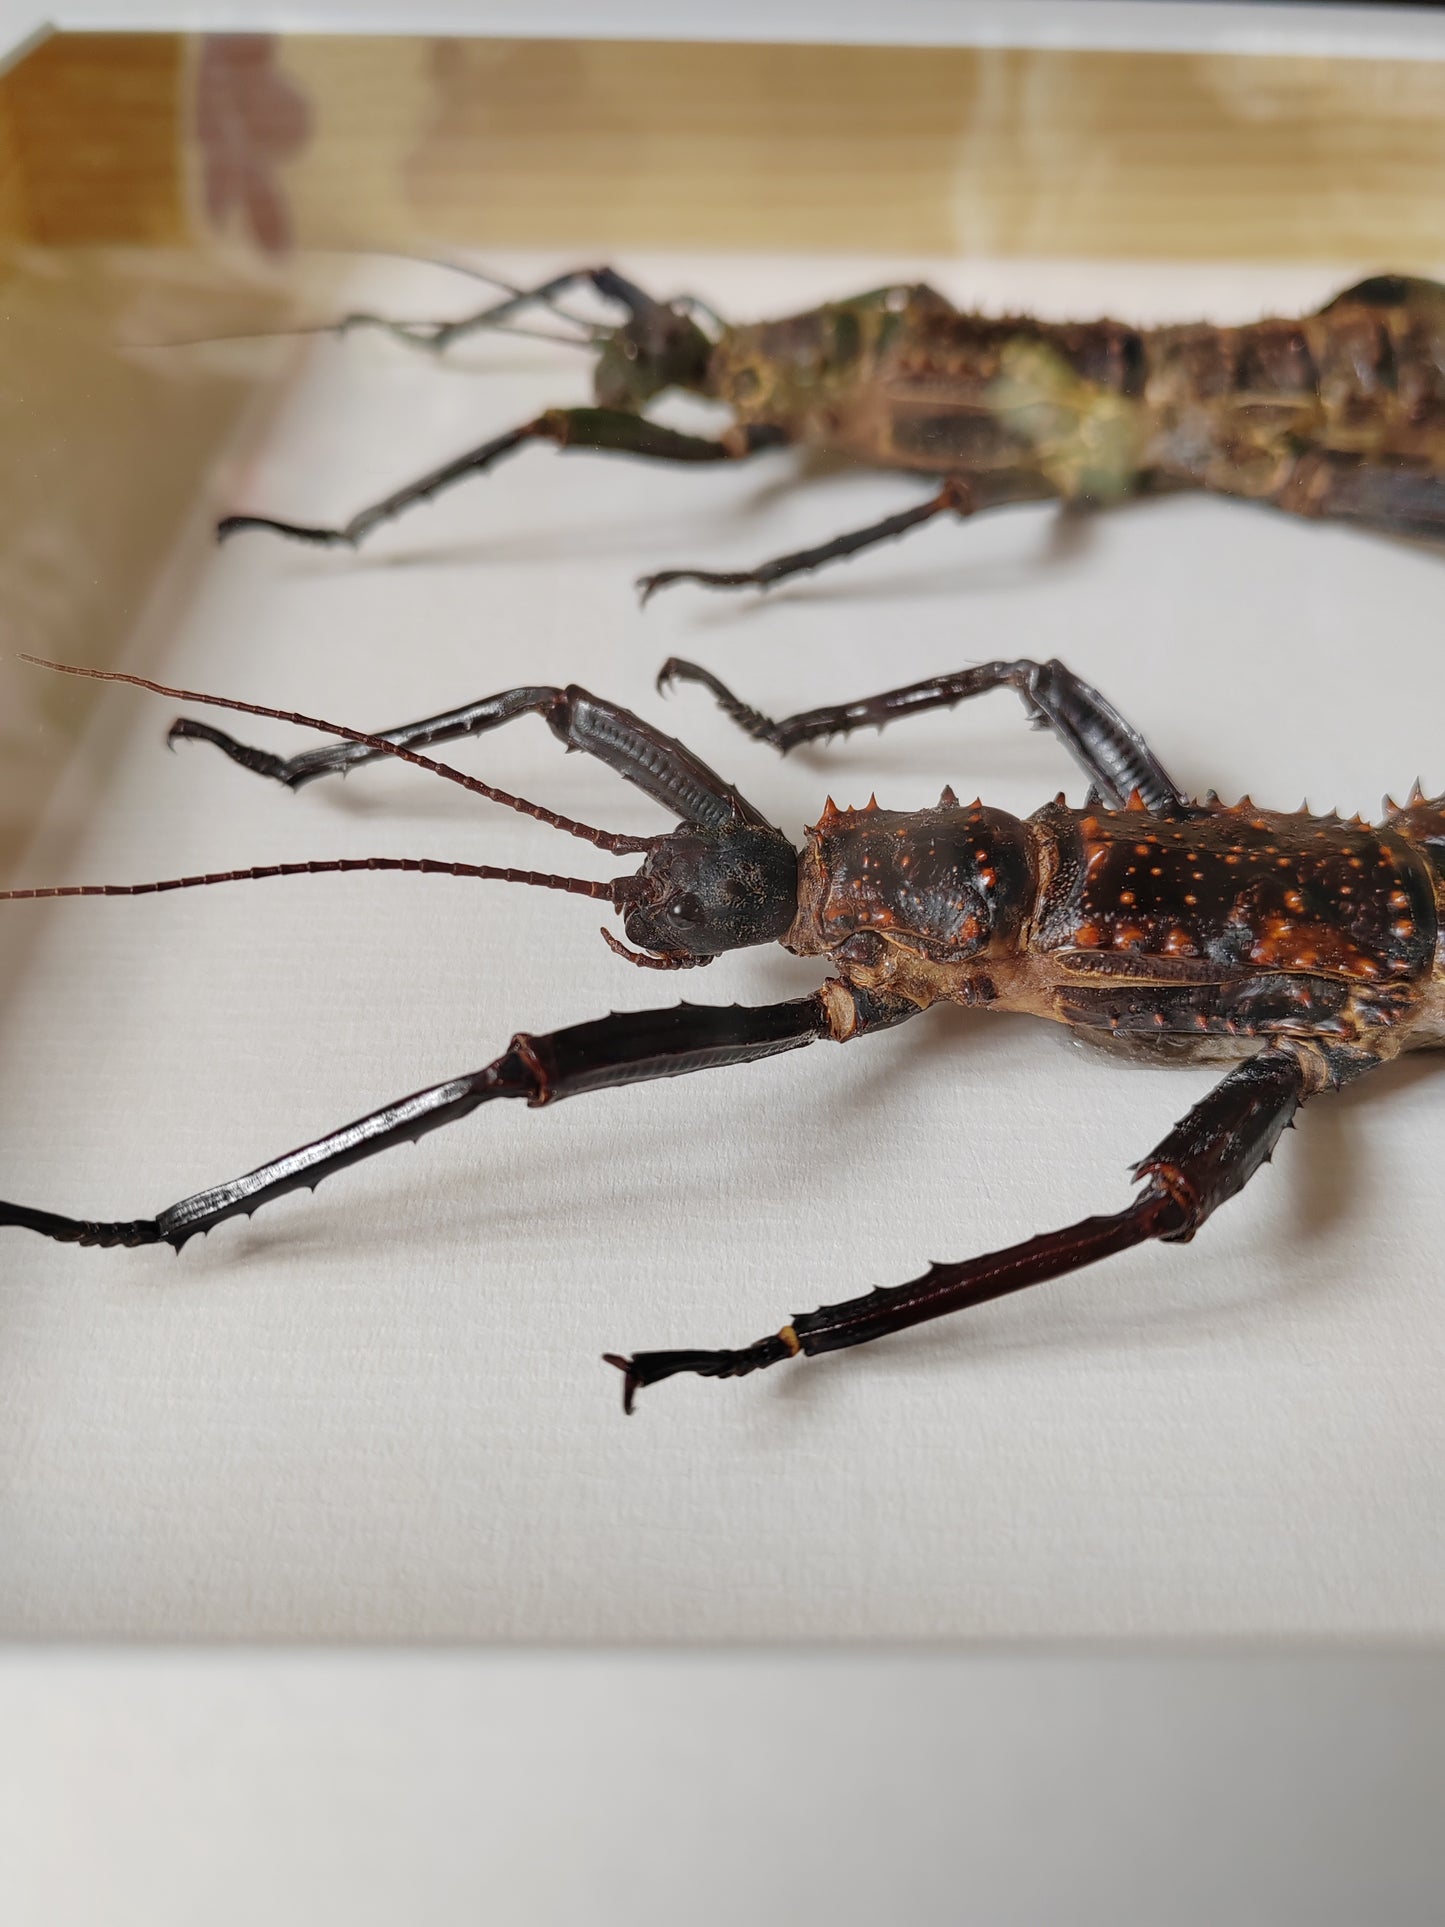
<point x="1304" y="949"/>
<point x="1340" y="413"/>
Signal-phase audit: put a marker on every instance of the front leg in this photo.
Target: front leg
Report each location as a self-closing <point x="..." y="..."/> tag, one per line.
<point x="659" y="765"/>
<point x="1110" y="751"/>
<point x="615" y="431"/>
<point x="1208" y="1156"/>
<point x="622" y="1049"/>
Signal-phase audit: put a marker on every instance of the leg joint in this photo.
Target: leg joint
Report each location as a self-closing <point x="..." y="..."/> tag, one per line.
<point x="852" y="1011"/>
<point x="524" y="1048"/>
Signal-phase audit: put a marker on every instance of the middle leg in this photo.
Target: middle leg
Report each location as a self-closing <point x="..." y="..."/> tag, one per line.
<point x="956" y="497"/>
<point x="1110" y="751"/>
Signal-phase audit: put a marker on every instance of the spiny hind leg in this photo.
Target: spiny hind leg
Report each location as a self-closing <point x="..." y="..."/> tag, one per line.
<point x="538" y="1068"/>
<point x="1203" y="1162"/>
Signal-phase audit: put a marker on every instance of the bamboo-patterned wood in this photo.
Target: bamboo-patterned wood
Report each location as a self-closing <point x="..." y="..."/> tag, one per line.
<point x="581" y="143"/>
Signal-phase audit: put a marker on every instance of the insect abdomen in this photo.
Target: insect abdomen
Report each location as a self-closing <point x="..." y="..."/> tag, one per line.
<point x="1014" y="398"/>
<point x="1230" y="407"/>
<point x="1421" y="823"/>
<point x="1242" y="891"/>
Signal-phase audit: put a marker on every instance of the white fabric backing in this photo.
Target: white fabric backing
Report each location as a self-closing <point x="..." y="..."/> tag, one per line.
<point x="380" y="1411"/>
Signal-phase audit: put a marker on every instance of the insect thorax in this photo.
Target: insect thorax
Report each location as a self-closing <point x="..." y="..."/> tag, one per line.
<point x="915" y="901"/>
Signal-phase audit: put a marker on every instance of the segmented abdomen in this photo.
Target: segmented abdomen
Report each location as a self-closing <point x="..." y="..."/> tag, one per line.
<point x="1365" y="376"/>
<point x="1242" y="890"/>
<point x="1421" y="823"/>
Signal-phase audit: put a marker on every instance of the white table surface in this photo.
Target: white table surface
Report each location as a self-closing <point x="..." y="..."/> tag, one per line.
<point x="379" y="1412"/>
<point x="157" y="1789"/>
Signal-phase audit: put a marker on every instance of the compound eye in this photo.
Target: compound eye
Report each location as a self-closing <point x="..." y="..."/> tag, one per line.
<point x="687" y="909"/>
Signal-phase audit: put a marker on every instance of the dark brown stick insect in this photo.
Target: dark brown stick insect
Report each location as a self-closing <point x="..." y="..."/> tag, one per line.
<point x="1305" y="948"/>
<point x="1339" y="413"/>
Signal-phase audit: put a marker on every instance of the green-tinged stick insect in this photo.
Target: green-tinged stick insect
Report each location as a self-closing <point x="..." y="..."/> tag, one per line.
<point x="1305" y="948"/>
<point x="1340" y="413"/>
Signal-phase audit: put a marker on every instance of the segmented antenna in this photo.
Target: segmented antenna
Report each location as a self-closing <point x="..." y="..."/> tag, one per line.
<point x="541" y="296"/>
<point x="423" y="865"/>
<point x="609" y="840"/>
<point x="413" y="330"/>
<point x="424" y="332"/>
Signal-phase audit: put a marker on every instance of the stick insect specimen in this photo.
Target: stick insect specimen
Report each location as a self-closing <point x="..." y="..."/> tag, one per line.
<point x="1305" y="948"/>
<point x="1339" y="413"/>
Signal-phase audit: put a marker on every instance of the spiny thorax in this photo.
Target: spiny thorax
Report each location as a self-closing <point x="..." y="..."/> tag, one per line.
<point x="893" y="897"/>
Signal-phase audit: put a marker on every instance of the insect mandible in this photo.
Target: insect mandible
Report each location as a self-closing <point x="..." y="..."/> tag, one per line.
<point x="1340" y="413"/>
<point x="1304" y="949"/>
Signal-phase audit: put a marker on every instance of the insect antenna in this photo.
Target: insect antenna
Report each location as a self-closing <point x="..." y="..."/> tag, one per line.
<point x="420" y="865"/>
<point x="539" y="297"/>
<point x="594" y="336"/>
<point x="494" y="320"/>
<point x="609" y="840"/>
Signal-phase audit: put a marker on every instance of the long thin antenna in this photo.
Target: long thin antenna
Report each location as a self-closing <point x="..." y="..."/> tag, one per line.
<point x="483" y="275"/>
<point x="602" y="839"/>
<point x="544" y="296"/>
<point x="424" y="865"/>
<point x="425" y="333"/>
<point x="413" y="330"/>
